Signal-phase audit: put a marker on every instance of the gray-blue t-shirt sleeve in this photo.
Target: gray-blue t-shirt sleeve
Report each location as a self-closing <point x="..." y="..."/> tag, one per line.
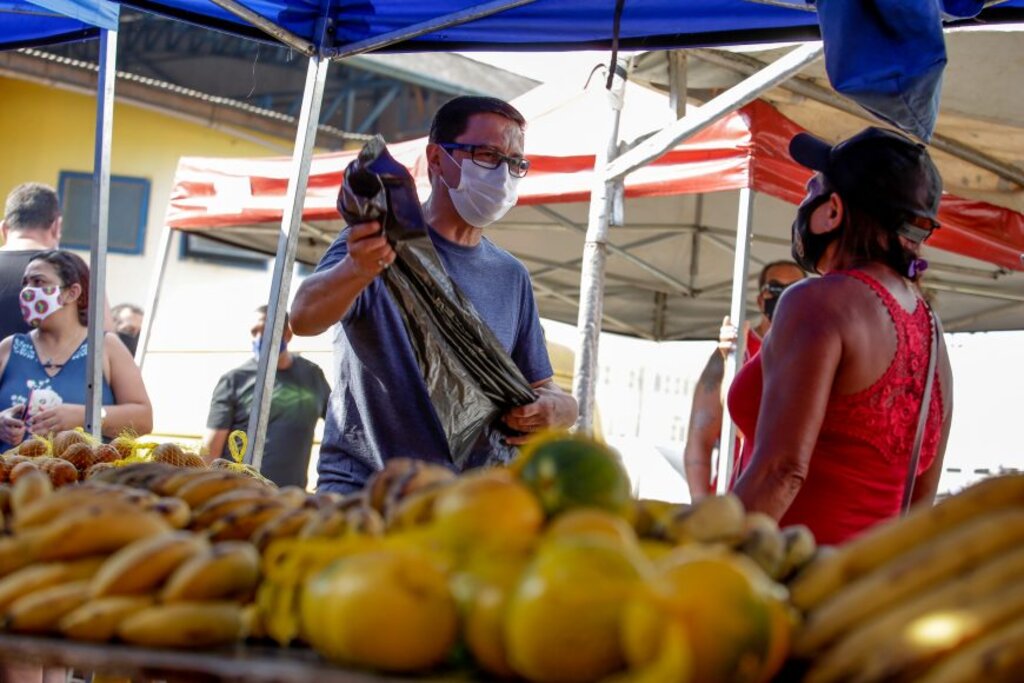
<point x="530" y="352"/>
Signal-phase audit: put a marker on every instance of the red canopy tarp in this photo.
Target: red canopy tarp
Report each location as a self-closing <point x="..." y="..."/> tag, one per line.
<point x="745" y="149"/>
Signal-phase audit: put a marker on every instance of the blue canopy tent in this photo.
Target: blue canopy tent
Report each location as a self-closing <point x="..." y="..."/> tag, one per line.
<point x="329" y="29"/>
<point x="48" y="22"/>
<point x="26" y="23"/>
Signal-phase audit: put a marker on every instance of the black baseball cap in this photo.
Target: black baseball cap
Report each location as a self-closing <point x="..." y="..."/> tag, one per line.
<point x="886" y="174"/>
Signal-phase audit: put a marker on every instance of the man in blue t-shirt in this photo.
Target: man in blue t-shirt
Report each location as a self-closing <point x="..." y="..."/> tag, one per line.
<point x="380" y="408"/>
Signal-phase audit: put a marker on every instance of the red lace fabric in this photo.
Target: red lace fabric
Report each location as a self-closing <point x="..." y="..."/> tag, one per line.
<point x="859" y="466"/>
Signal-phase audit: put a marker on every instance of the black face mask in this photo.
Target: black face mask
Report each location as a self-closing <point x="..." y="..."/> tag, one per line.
<point x="808" y="248"/>
<point x="769" y="307"/>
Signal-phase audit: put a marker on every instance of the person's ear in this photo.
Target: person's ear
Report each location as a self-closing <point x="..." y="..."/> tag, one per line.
<point x="57" y="228"/>
<point x="836" y="211"/>
<point x="434" y="154"/>
<point x="4" y="231"/>
<point x="74" y="293"/>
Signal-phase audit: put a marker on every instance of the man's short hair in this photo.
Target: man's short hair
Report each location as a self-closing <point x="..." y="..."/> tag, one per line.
<point x="262" y="310"/>
<point x="31" y="206"/>
<point x="762" y="279"/>
<point x="452" y="118"/>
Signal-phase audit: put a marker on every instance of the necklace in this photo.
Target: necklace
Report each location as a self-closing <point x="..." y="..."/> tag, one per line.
<point x="49" y="364"/>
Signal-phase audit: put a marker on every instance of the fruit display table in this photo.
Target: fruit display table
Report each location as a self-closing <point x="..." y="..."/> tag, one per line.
<point x="251" y="664"/>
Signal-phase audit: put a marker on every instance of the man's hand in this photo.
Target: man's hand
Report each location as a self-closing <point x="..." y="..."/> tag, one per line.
<point x="369" y="250"/>
<point x="553" y="408"/>
<point x="12" y="427"/>
<point x="57" y="419"/>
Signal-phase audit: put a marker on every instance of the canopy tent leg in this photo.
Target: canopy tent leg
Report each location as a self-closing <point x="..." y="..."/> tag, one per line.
<point x="98" y="237"/>
<point x="595" y="253"/>
<point x="156" y="284"/>
<point x="738" y="315"/>
<point x="287" y="243"/>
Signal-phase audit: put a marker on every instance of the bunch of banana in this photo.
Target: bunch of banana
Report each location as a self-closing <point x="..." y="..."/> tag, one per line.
<point x="934" y="596"/>
<point x="722" y="520"/>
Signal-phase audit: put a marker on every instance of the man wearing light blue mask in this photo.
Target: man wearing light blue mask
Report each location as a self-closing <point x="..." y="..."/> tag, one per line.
<point x="299" y="400"/>
<point x="380" y="408"/>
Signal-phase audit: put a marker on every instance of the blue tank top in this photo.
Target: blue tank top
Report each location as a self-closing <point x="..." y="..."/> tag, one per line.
<point x="25" y="373"/>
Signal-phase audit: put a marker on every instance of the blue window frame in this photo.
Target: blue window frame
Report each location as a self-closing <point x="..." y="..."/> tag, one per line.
<point x="129" y="210"/>
<point x="212" y="251"/>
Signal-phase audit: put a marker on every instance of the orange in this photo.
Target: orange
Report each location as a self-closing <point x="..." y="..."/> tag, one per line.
<point x="488" y="507"/>
<point x="562" y="623"/>
<point x="388" y="609"/>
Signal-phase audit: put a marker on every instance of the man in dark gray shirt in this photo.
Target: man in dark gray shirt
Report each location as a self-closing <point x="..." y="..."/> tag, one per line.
<point x="299" y="400"/>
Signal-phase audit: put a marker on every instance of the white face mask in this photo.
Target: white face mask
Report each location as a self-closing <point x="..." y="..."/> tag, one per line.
<point x="39" y="303"/>
<point x="484" y="195"/>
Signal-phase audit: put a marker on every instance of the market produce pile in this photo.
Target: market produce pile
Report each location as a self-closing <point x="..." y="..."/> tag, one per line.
<point x="548" y="570"/>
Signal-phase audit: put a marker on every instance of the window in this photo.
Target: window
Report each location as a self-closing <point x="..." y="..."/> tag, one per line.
<point x="205" y="249"/>
<point x="129" y="206"/>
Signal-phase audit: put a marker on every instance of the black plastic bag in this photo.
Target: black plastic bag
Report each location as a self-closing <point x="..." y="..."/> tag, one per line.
<point x="469" y="376"/>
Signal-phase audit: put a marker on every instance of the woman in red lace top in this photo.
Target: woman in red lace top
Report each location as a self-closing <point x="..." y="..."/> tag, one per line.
<point x="832" y="400"/>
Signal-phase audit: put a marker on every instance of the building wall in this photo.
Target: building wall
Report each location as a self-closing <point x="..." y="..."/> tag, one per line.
<point x="201" y="328"/>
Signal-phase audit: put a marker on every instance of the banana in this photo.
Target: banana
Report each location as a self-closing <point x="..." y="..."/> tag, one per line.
<point x="226" y="570"/>
<point x="17" y="552"/>
<point x="38" y="576"/>
<point x="882" y="638"/>
<point x="30" y="487"/>
<point x="800" y="549"/>
<point x="184" y="624"/>
<point x="174" y="511"/>
<point x="286" y="525"/>
<point x="142" y="475"/>
<point x="243" y="521"/>
<point x="715" y="519"/>
<point x="415" y="509"/>
<point x="822" y="578"/>
<point x="95" y="529"/>
<point x="915" y="571"/>
<point x="97" y="620"/>
<point x="40" y="611"/>
<point x="67" y="501"/>
<point x="143" y="566"/>
<point x="328" y="522"/>
<point x="293" y="496"/>
<point x="211" y="483"/>
<point x="220" y="505"/>
<point x="764" y="543"/>
<point x="177" y="477"/>
<point x="996" y="658"/>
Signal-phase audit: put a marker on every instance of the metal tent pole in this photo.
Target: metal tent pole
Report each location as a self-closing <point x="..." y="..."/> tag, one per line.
<point x="738" y="315"/>
<point x="98" y="237"/>
<point x="156" y="284"/>
<point x="595" y="253"/>
<point x="287" y="242"/>
<point x="714" y="109"/>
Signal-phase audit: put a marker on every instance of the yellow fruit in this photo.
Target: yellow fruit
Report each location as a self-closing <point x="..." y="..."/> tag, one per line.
<point x="184" y="624"/>
<point x="592" y="522"/>
<point x="574" y="471"/>
<point x="482" y="589"/>
<point x="562" y="623"/>
<point x="389" y="609"/>
<point x="488" y="507"/>
<point x="98" y="619"/>
<point x="721" y="599"/>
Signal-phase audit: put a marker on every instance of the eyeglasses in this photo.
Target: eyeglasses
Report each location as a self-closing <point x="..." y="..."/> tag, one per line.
<point x="488" y="157"/>
<point x="774" y="288"/>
